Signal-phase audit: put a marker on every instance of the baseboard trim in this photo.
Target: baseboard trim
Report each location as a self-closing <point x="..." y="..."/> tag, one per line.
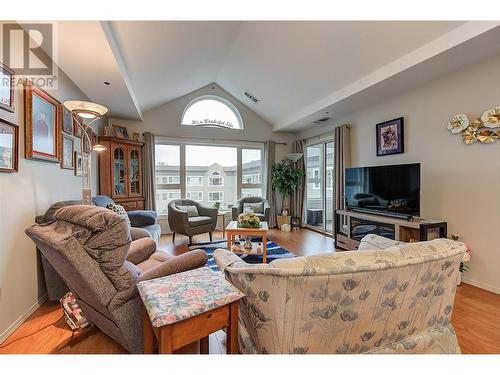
<point x="479" y="284"/>
<point x="9" y="331"/>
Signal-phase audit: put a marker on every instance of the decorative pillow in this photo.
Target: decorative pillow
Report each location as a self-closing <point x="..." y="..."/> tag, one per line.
<point x="119" y="210"/>
<point x="256" y="207"/>
<point x="141" y="218"/>
<point x="376" y="242"/>
<point x="191" y="210"/>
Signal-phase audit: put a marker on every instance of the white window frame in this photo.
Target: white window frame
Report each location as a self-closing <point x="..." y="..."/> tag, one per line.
<point x="219" y="99"/>
<point x="188" y="195"/>
<point x="170" y="197"/>
<point x="221" y="193"/>
<point x="191" y="177"/>
<point x="173" y="180"/>
<point x="182" y="143"/>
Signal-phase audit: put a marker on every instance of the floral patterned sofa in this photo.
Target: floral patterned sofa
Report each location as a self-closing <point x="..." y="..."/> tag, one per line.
<point x="396" y="300"/>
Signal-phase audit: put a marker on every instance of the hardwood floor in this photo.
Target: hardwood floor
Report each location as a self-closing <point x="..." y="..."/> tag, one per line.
<point x="475" y="315"/>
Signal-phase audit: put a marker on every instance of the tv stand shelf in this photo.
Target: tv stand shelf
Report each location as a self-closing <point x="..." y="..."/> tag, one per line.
<point x="351" y="226"/>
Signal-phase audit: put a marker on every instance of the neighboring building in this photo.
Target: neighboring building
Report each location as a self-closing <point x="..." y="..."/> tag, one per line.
<point x="206" y="185"/>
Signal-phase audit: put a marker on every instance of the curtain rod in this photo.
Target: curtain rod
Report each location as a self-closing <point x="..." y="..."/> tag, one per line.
<point x="215" y="139"/>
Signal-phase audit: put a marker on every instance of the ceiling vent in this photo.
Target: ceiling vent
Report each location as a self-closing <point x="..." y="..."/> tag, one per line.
<point x="322" y="120"/>
<point x="251" y="97"/>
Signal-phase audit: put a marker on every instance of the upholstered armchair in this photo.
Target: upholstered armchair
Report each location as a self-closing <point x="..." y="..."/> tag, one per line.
<point x="92" y="251"/>
<point x="262" y="213"/>
<point x="398" y="300"/>
<point x="183" y="219"/>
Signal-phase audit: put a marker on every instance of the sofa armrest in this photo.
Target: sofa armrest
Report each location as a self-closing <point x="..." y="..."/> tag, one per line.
<point x="184" y="262"/>
<point x="177" y="219"/>
<point x="137" y="233"/>
<point x="140" y="250"/>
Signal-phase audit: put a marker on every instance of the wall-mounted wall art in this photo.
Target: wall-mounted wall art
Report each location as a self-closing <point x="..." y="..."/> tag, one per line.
<point x="6" y="88"/>
<point x="9" y="146"/>
<point x="67" y="152"/>
<point x="41" y="118"/>
<point x="67" y="120"/>
<point x="485" y="129"/>
<point x="390" y="137"/>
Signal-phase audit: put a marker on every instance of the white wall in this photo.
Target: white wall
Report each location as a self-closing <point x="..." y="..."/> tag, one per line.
<point x="460" y="183"/>
<point x="166" y="121"/>
<point x="23" y="196"/>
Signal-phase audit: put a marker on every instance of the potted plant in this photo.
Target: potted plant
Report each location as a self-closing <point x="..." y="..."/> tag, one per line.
<point x="285" y="179"/>
<point x="216" y="205"/>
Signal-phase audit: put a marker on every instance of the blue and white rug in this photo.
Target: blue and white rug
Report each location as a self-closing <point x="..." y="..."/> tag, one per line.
<point x="274" y="252"/>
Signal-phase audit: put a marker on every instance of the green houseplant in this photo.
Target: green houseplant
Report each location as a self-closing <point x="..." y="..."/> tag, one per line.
<point x="285" y="179"/>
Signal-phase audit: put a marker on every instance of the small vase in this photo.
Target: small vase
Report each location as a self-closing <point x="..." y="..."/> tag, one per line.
<point x="248" y="244"/>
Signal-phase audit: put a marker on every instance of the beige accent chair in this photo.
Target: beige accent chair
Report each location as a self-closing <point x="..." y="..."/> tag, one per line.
<point x="397" y="300"/>
<point x="181" y="222"/>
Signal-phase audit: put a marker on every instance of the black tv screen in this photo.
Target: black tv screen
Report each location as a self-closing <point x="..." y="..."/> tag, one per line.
<point x="393" y="189"/>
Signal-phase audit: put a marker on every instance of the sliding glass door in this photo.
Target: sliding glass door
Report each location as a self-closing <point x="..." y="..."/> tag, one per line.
<point x="319" y="186"/>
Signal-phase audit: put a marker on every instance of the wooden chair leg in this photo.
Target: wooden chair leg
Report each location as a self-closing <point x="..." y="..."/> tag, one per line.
<point x="204" y="345"/>
<point x="173" y="237"/>
<point x="232" y="330"/>
<point x="210" y="235"/>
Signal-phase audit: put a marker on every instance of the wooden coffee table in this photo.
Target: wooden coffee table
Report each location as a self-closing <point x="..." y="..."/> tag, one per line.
<point x="232" y="230"/>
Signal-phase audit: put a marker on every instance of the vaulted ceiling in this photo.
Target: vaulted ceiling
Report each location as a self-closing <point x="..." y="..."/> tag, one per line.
<point x="298" y="70"/>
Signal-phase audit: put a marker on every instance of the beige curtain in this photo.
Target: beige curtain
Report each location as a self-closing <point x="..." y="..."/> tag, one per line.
<point x="342" y="160"/>
<point x="299" y="193"/>
<point x="148" y="174"/>
<point x="269" y="152"/>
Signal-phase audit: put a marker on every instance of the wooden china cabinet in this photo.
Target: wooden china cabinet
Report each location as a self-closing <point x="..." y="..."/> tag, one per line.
<point x="120" y="172"/>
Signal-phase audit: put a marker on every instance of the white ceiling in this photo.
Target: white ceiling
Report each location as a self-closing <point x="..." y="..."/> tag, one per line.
<point x="296" y="69"/>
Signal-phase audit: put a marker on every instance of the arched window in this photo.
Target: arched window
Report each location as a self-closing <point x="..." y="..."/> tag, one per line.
<point x="212" y="111"/>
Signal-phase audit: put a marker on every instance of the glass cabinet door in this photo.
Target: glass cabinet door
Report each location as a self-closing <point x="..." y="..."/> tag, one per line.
<point x="119" y="183"/>
<point x="135" y="171"/>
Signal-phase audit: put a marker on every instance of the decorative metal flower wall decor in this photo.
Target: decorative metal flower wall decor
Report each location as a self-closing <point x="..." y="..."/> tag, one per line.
<point x="485" y="129"/>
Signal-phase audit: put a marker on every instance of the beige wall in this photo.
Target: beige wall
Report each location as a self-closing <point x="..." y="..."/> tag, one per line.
<point x="166" y="120"/>
<point x="460" y="183"/>
<point x="23" y="196"/>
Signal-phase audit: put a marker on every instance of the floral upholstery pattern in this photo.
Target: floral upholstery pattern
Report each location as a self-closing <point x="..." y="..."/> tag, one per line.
<point x="397" y="300"/>
<point x="171" y="299"/>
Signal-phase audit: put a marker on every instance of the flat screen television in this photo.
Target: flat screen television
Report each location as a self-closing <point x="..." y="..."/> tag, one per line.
<point x="393" y="190"/>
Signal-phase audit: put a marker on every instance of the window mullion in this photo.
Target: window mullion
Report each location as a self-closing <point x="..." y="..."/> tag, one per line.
<point x="182" y="170"/>
<point x="238" y="172"/>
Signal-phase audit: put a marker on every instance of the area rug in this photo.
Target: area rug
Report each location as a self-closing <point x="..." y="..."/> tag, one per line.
<point x="273" y="252"/>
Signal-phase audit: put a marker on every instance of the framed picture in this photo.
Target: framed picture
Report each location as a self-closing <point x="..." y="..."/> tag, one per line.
<point x="120" y="131"/>
<point x="78" y="163"/>
<point x="67" y="120"/>
<point x="67" y="152"/>
<point x="6" y="88"/>
<point x="91" y="135"/>
<point x="9" y="146"/>
<point x="390" y="137"/>
<point x="41" y="130"/>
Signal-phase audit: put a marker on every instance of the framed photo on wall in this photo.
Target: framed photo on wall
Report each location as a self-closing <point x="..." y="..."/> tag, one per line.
<point x="120" y="131"/>
<point x="42" y="118"/>
<point x="67" y="152"/>
<point x="78" y="164"/>
<point x="67" y="120"/>
<point x="6" y="88"/>
<point x="390" y="137"/>
<point x="9" y="146"/>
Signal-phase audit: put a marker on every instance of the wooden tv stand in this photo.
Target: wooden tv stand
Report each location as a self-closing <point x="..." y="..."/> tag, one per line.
<point x="351" y="226"/>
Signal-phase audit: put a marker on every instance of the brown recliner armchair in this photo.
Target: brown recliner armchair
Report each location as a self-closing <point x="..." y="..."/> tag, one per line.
<point x="91" y="249"/>
<point x="191" y="224"/>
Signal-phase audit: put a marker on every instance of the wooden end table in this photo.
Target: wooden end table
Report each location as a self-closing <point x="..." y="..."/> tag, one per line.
<point x="186" y="307"/>
<point x="232" y="230"/>
<point x="223" y="215"/>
